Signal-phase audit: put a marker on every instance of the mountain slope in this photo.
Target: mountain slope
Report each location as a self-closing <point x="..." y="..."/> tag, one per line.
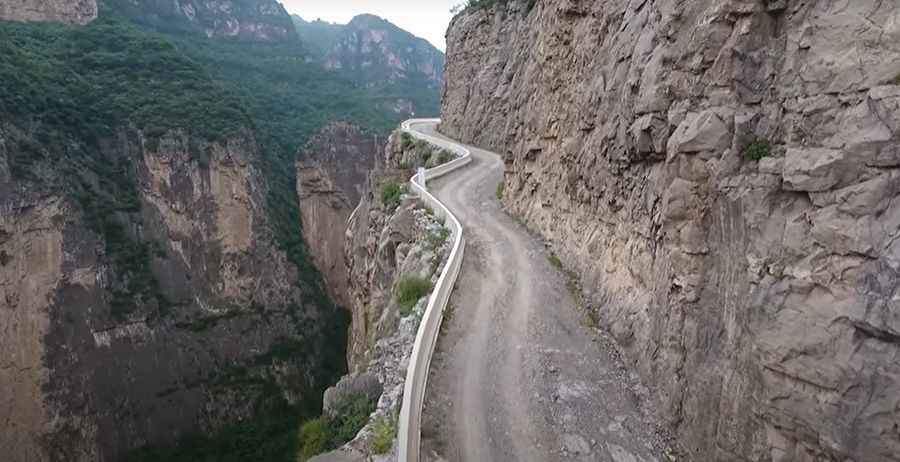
<point x="244" y="20"/>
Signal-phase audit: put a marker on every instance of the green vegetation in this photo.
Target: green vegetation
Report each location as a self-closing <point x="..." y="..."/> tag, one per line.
<point x="500" y="187"/>
<point x="410" y="288"/>
<point x="444" y="156"/>
<point x="70" y="91"/>
<point x="272" y="438"/>
<point x="384" y="430"/>
<point x="76" y="104"/>
<point x="757" y="150"/>
<point x="314" y="438"/>
<point x="326" y="433"/>
<point x="351" y="416"/>
<point x="406" y="141"/>
<point x="390" y="195"/>
<point x="435" y="239"/>
<point x="555" y="261"/>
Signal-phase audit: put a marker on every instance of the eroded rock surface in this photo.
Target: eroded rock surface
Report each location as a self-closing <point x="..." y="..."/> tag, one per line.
<point x="67" y="11"/>
<point x="222" y="329"/>
<point x="723" y="175"/>
<point x="331" y="179"/>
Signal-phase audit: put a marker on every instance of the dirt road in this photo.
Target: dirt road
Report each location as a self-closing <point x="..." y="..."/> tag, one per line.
<point x="519" y="374"/>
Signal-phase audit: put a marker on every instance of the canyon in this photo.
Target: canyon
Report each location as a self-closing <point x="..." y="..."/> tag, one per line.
<point x="156" y="290"/>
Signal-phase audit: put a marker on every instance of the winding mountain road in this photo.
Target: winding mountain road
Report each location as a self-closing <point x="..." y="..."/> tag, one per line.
<point x="518" y="373"/>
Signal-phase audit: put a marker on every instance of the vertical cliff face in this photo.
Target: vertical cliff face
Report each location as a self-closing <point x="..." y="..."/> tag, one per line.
<point x="724" y="176"/>
<point x="331" y="179"/>
<point x="215" y="330"/>
<point x="67" y="11"/>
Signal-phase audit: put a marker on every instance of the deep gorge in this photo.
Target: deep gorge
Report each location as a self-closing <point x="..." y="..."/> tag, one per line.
<point x="158" y="291"/>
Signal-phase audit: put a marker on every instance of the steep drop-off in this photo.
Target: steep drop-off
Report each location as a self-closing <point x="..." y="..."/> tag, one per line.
<point x="177" y="316"/>
<point x="331" y="177"/>
<point x="723" y="174"/>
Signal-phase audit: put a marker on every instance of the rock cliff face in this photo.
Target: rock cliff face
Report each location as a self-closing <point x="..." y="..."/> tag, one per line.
<point x="245" y="20"/>
<point x="67" y="11"/>
<point x="331" y="179"/>
<point x="225" y="332"/>
<point x="724" y="176"/>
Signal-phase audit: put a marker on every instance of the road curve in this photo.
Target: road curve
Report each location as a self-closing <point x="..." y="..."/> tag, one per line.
<point x="519" y="374"/>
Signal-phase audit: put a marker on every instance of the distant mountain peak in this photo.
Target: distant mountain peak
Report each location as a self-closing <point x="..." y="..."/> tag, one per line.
<point x="373" y="49"/>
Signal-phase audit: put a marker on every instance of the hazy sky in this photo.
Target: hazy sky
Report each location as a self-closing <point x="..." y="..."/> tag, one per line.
<point x="424" y="18"/>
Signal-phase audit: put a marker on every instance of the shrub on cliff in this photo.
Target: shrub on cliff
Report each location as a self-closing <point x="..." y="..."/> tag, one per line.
<point x="384" y="430"/>
<point x="326" y="433"/>
<point x="758" y="150"/>
<point x="314" y="438"/>
<point x="409" y="290"/>
<point x="390" y="194"/>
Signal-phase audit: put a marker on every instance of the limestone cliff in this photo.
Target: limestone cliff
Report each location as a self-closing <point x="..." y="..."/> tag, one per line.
<point x="724" y="176"/>
<point x="331" y="178"/>
<point x="67" y="11"/>
<point x="103" y="356"/>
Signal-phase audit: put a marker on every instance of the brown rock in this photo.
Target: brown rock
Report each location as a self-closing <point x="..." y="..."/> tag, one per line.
<point x="762" y="288"/>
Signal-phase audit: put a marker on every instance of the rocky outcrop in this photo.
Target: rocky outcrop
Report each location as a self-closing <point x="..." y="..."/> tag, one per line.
<point x="331" y="177"/>
<point x="220" y="329"/>
<point x="376" y="239"/>
<point x="723" y="175"/>
<point x="66" y="11"/>
<point x="242" y="20"/>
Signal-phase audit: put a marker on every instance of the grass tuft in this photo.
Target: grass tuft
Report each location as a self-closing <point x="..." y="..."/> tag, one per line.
<point x="409" y="290"/>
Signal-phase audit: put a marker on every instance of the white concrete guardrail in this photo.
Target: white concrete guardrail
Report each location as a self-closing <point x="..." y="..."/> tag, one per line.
<point x="409" y="431"/>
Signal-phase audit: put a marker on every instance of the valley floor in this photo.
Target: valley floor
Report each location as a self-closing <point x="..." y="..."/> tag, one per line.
<point x="519" y="373"/>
